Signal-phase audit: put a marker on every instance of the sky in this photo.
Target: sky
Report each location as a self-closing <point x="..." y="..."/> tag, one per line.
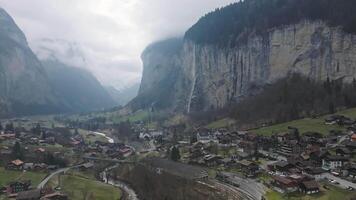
<point x="106" y="37"/>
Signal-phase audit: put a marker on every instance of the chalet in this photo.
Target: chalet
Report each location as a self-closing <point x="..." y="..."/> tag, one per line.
<point x="212" y="160"/>
<point x="280" y="166"/>
<point x="15" y="165"/>
<point x="250" y="169"/>
<point x="125" y="152"/>
<point x="145" y="136"/>
<point x="333" y="162"/>
<point x="28" y="166"/>
<point x="315" y="172"/>
<point x="342" y="151"/>
<point x="352" y="171"/>
<point x="285" y="184"/>
<point x="29" y="195"/>
<point x="206" y="137"/>
<point x="353" y="138"/>
<point x="55" y="196"/>
<point x="309" y="187"/>
<point x="86" y="166"/>
<point x="18" y="186"/>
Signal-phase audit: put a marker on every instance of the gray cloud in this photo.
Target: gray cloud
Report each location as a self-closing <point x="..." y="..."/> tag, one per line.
<point x="109" y="35"/>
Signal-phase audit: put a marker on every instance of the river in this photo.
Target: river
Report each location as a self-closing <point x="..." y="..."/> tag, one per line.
<point x="131" y="194"/>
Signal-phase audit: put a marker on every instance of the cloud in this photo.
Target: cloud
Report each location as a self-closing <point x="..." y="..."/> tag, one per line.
<point x="109" y="34"/>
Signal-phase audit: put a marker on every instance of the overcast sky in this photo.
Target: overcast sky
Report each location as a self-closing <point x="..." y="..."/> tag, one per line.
<point x="106" y="36"/>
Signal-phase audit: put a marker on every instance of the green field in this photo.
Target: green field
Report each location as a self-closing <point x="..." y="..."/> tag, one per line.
<point x="221" y="123"/>
<point x="334" y="193"/>
<point x="7" y="176"/>
<point x="306" y="124"/>
<point x="79" y="188"/>
<point x="83" y="185"/>
<point x="140" y="115"/>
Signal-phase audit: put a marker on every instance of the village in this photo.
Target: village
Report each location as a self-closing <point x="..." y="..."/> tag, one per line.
<point x="283" y="164"/>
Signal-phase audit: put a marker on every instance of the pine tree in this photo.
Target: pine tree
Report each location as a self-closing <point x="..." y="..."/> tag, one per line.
<point x="17" y="151"/>
<point x="175" y="155"/>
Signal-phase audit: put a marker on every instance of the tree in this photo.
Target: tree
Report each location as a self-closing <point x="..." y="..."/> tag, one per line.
<point x="9" y="127"/>
<point x="175" y="155"/>
<point x="17" y="151"/>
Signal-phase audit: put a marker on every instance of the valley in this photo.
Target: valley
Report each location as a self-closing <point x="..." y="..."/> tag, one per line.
<point x="255" y="101"/>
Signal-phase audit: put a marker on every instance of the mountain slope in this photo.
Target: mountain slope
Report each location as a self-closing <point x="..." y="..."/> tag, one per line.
<point x="77" y="88"/>
<point x="235" y="51"/>
<point x="24" y="86"/>
<point x="123" y="96"/>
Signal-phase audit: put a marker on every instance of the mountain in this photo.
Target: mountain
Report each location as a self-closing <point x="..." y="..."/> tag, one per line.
<point x="77" y="88"/>
<point x="125" y="95"/>
<point x="234" y="52"/>
<point x="24" y="85"/>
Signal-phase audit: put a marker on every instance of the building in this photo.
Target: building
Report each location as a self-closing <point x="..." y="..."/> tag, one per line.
<point x="29" y="195"/>
<point x="18" y="186"/>
<point x="250" y="169"/>
<point x="55" y="196"/>
<point x="204" y="136"/>
<point x="333" y="162"/>
<point x="285" y="184"/>
<point x="15" y="165"/>
<point x="309" y="187"/>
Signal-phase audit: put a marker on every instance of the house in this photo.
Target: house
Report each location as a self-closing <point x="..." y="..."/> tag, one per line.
<point x="285" y="184"/>
<point x="250" y="169"/>
<point x="309" y="187"/>
<point x="18" y="186"/>
<point x="333" y="162"/>
<point x="353" y="138"/>
<point x="206" y="137"/>
<point x="315" y="172"/>
<point x="86" y="166"/>
<point x="15" y="165"/>
<point x="145" y="136"/>
<point x="55" y="196"/>
<point x="280" y="166"/>
<point x="28" y="166"/>
<point x="342" y="151"/>
<point x="29" y="195"/>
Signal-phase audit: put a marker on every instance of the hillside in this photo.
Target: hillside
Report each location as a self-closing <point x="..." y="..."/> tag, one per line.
<point x="24" y="85"/>
<point x="77" y="88"/>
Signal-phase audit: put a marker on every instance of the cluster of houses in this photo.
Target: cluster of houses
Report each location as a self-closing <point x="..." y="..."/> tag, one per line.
<point x="21" y="165"/>
<point x="110" y="150"/>
<point x="23" y="190"/>
<point x="299" y="161"/>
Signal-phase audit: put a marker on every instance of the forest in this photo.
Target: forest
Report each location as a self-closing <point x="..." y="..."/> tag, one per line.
<point x="231" y="25"/>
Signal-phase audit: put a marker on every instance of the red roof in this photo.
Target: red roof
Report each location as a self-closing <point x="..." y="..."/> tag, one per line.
<point x="17" y="162"/>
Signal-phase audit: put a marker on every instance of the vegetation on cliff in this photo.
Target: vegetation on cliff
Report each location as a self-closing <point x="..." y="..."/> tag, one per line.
<point x="232" y="24"/>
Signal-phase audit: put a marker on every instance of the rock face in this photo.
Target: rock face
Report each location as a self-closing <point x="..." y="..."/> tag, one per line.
<point x="208" y="76"/>
<point x="24" y="86"/>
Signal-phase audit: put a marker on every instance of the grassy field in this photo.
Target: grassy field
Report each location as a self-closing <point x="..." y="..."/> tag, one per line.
<point x="137" y="116"/>
<point x="83" y="185"/>
<point x="334" y="193"/>
<point x="307" y="124"/>
<point x="221" y="123"/>
<point x="7" y="176"/>
<point x="79" y="188"/>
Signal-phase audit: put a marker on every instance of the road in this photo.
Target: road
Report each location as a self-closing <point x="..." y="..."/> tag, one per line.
<point x="45" y="181"/>
<point x="343" y="183"/>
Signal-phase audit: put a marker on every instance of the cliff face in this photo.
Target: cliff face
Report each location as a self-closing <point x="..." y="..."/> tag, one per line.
<point x="209" y="76"/>
<point x="24" y="87"/>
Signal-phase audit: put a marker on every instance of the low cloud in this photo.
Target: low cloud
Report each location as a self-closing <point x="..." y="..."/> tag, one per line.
<point x="106" y="37"/>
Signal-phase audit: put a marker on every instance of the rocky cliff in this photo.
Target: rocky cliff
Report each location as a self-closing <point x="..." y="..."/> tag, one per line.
<point x="24" y="86"/>
<point x="206" y="76"/>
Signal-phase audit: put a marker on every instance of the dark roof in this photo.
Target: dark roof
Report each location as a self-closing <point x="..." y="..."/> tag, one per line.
<point x="283" y="180"/>
<point x="281" y="163"/>
<point x="31" y="194"/>
<point x="336" y="158"/>
<point x="310" y="184"/>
